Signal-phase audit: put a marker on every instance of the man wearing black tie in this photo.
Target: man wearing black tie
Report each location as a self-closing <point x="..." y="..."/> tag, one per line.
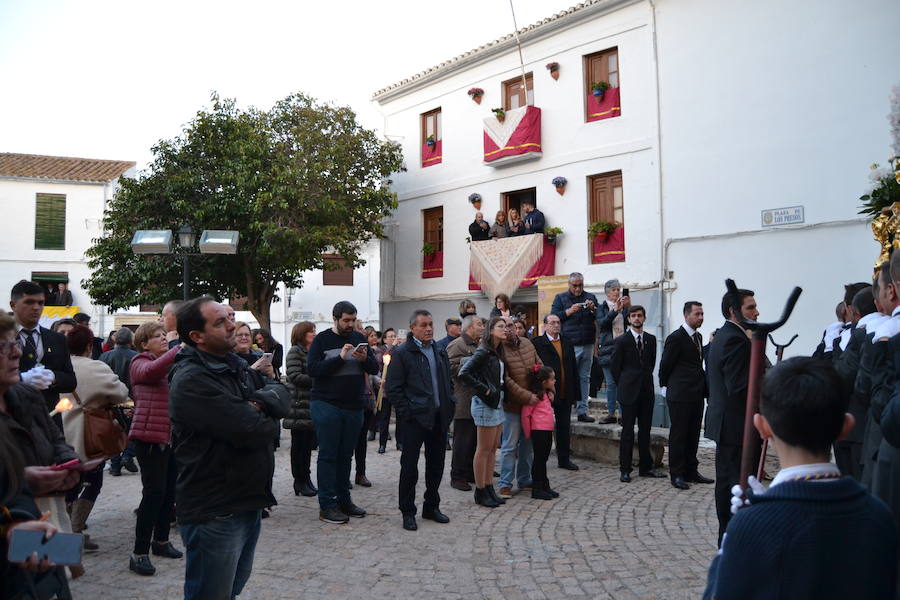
<point x="728" y="367"/>
<point x="683" y="385"/>
<point x="40" y="346"/>
<point x="633" y="359"/>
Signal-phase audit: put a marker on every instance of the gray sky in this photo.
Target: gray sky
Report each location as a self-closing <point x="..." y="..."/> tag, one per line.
<point x="108" y="79"/>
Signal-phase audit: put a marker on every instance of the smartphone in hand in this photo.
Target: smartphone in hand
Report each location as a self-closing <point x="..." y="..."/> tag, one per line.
<point x="63" y="549"/>
<point x="364" y="346"/>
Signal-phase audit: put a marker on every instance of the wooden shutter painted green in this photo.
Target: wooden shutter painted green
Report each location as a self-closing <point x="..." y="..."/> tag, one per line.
<point x="50" y="222"/>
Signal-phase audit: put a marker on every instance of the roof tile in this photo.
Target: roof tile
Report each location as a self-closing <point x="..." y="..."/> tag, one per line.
<point x="36" y="166"/>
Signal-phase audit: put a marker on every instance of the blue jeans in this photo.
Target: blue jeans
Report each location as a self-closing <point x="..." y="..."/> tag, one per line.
<point x="584" y="356"/>
<point x="612" y="390"/>
<point x="511" y="467"/>
<point x="219" y="555"/>
<point x="337" y="431"/>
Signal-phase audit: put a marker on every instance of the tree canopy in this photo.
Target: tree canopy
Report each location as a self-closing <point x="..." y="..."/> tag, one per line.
<point x="296" y="181"/>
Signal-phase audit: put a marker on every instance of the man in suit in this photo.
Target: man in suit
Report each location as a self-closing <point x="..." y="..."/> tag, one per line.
<point x="418" y="383"/>
<point x="728" y="367"/>
<point x="40" y="346"/>
<point x="683" y="385"/>
<point x="558" y="353"/>
<point x="633" y="360"/>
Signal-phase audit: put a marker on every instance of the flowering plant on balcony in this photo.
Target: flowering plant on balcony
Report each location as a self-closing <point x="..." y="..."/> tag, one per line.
<point x="552" y="233"/>
<point x="476" y="93"/>
<point x="499" y="113"/>
<point x="429" y="141"/>
<point x="598" y="88"/>
<point x="560" y="184"/>
<point x="475" y="199"/>
<point x="553" y="67"/>
<point x="601" y="229"/>
<point x="428" y="249"/>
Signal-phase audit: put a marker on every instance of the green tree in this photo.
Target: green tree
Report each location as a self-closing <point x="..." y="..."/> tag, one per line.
<point x="296" y="181"/>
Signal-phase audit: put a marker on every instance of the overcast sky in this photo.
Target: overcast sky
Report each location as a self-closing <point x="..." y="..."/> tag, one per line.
<point x="108" y="79"/>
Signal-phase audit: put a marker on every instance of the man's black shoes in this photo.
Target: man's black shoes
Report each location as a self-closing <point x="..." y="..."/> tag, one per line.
<point x="352" y="510"/>
<point x="652" y="474"/>
<point x="698" y="478"/>
<point x="333" y="514"/>
<point x="625" y="477"/>
<point x="165" y="549"/>
<point x="141" y="565"/>
<point x="409" y="522"/>
<point x="680" y="483"/>
<point x="569" y="466"/>
<point x="382" y="449"/>
<point x="585" y="419"/>
<point x="130" y="465"/>
<point x="434" y="515"/>
<point x="461" y="485"/>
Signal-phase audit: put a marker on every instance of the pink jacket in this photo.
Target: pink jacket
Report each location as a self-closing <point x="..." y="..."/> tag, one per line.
<point x="150" y="391"/>
<point x="538" y="417"/>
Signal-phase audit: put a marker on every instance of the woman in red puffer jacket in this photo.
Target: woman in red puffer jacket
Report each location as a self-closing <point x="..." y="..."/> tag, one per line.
<point x="150" y="431"/>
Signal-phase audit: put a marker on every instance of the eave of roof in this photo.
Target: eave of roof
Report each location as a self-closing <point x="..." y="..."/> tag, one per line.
<point x="61" y="168"/>
<point x="543" y="28"/>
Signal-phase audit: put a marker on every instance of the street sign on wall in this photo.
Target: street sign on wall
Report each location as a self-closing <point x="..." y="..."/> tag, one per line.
<point x="790" y="215"/>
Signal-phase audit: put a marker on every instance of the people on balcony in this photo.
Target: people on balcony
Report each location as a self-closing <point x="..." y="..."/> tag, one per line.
<point x="479" y="230"/>
<point x="534" y="219"/>
<point x="516" y="226"/>
<point x="500" y="228"/>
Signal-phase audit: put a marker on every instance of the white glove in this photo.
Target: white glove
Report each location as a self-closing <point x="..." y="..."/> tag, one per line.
<point x="737" y="494"/>
<point x="39" y="377"/>
<point x="662" y="392"/>
<point x="831" y="333"/>
<point x="888" y="328"/>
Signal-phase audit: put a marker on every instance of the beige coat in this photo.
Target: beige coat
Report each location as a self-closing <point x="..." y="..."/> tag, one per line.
<point x="98" y="387"/>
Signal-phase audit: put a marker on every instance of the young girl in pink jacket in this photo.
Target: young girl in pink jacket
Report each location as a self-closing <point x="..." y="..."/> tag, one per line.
<point x="538" y="425"/>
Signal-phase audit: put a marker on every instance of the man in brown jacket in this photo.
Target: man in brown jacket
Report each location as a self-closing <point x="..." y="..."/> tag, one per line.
<point x="464" y="433"/>
<point x="516" y="454"/>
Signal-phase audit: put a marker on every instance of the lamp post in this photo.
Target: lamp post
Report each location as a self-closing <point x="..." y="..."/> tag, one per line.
<point x="159" y="241"/>
<point x="186" y="240"/>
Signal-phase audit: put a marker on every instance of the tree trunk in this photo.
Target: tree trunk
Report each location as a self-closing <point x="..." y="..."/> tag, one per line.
<point x="259" y="296"/>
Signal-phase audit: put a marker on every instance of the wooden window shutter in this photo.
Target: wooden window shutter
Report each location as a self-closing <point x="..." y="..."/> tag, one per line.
<point x="434" y="227"/>
<point x="514" y="96"/>
<point x="606" y="198"/>
<point x="50" y="222"/>
<point x="342" y="276"/>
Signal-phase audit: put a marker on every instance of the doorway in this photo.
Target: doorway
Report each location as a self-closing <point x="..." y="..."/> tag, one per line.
<point x="515" y="199"/>
<point x="531" y="314"/>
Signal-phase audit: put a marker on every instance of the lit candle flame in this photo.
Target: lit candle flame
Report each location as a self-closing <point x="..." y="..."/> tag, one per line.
<point x="62" y="406"/>
<point x="387" y="359"/>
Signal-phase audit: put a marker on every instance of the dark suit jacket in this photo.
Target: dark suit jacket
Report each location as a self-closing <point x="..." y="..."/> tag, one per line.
<point x="728" y="367"/>
<point x="681" y="368"/>
<point x="547" y="353"/>
<point x="57" y="359"/>
<point x="847" y="364"/>
<point x="409" y="385"/>
<point x="634" y="377"/>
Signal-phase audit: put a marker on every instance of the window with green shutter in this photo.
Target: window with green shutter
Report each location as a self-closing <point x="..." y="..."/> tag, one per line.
<point x="50" y="222"/>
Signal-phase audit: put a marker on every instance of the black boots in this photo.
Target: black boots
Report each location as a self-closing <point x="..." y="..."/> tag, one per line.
<point x="484" y="498"/>
<point x="305" y="488"/>
<point x="490" y="489"/>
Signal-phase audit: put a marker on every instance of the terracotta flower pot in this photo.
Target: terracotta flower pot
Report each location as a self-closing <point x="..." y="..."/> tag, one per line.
<point x="477" y="204"/>
<point x="602" y="236"/>
<point x="560" y="189"/>
<point x="477" y="99"/>
<point x="554" y="74"/>
<point x="501" y="118"/>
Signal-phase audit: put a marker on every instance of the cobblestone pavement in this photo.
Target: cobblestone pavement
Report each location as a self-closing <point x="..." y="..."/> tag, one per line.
<point x="600" y="539"/>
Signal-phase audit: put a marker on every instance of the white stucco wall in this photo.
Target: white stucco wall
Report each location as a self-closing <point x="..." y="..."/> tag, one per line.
<point x="767" y="105"/>
<point x="571" y="148"/>
<point x="18" y="257"/>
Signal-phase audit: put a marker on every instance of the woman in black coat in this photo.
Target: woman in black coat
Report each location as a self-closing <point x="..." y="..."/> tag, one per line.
<point x="299" y="421"/>
<point x="484" y="373"/>
<point x="265" y="342"/>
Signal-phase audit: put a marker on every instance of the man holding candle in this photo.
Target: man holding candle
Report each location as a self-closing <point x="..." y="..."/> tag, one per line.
<point x="45" y="362"/>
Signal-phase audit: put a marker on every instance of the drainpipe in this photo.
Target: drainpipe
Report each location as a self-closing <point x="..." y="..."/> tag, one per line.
<point x="664" y="268"/>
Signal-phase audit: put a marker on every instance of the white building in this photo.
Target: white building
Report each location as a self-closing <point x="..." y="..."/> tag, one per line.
<point x="728" y="110"/>
<point x="52" y="208"/>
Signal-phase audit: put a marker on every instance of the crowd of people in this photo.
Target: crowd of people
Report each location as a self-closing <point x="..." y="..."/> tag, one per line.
<point x="203" y="401"/>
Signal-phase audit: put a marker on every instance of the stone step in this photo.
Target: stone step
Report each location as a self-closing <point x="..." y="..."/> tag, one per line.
<point x="600" y="442"/>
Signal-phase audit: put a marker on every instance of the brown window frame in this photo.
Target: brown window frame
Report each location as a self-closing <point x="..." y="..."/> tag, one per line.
<point x="508" y="92"/>
<point x="588" y="79"/>
<point x="437" y="124"/>
<point x="342" y="276"/>
<point x="433" y="234"/>
<point x="602" y="203"/>
<point x="514" y="199"/>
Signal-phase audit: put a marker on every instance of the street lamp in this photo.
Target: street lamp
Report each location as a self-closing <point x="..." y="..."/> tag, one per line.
<point x="159" y="241"/>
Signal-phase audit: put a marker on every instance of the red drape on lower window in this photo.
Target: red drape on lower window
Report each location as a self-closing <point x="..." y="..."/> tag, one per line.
<point x="433" y="265"/>
<point x="546" y="265"/>
<point x="612" y="249"/>
<point x="610" y="106"/>
<point x="432" y="155"/>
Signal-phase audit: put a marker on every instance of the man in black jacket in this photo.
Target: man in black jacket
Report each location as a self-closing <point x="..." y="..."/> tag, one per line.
<point x="728" y="368"/>
<point x="40" y="346"/>
<point x="577" y="311"/>
<point x="418" y="382"/>
<point x="556" y="352"/>
<point x="683" y="385"/>
<point x="633" y="360"/>
<point x="224" y="422"/>
<point x="478" y="229"/>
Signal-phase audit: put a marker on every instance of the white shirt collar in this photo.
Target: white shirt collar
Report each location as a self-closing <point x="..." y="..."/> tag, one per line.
<point x="551" y="338"/>
<point x="872" y="318"/>
<point x="690" y="330"/>
<point x="635" y="333"/>
<point x="803" y="471"/>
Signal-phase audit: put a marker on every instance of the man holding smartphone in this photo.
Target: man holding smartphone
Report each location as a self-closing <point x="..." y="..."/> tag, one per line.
<point x="339" y="361"/>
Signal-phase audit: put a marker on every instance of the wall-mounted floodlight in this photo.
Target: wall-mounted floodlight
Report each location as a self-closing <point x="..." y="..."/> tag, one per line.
<point x="219" y="241"/>
<point x="152" y="241"/>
